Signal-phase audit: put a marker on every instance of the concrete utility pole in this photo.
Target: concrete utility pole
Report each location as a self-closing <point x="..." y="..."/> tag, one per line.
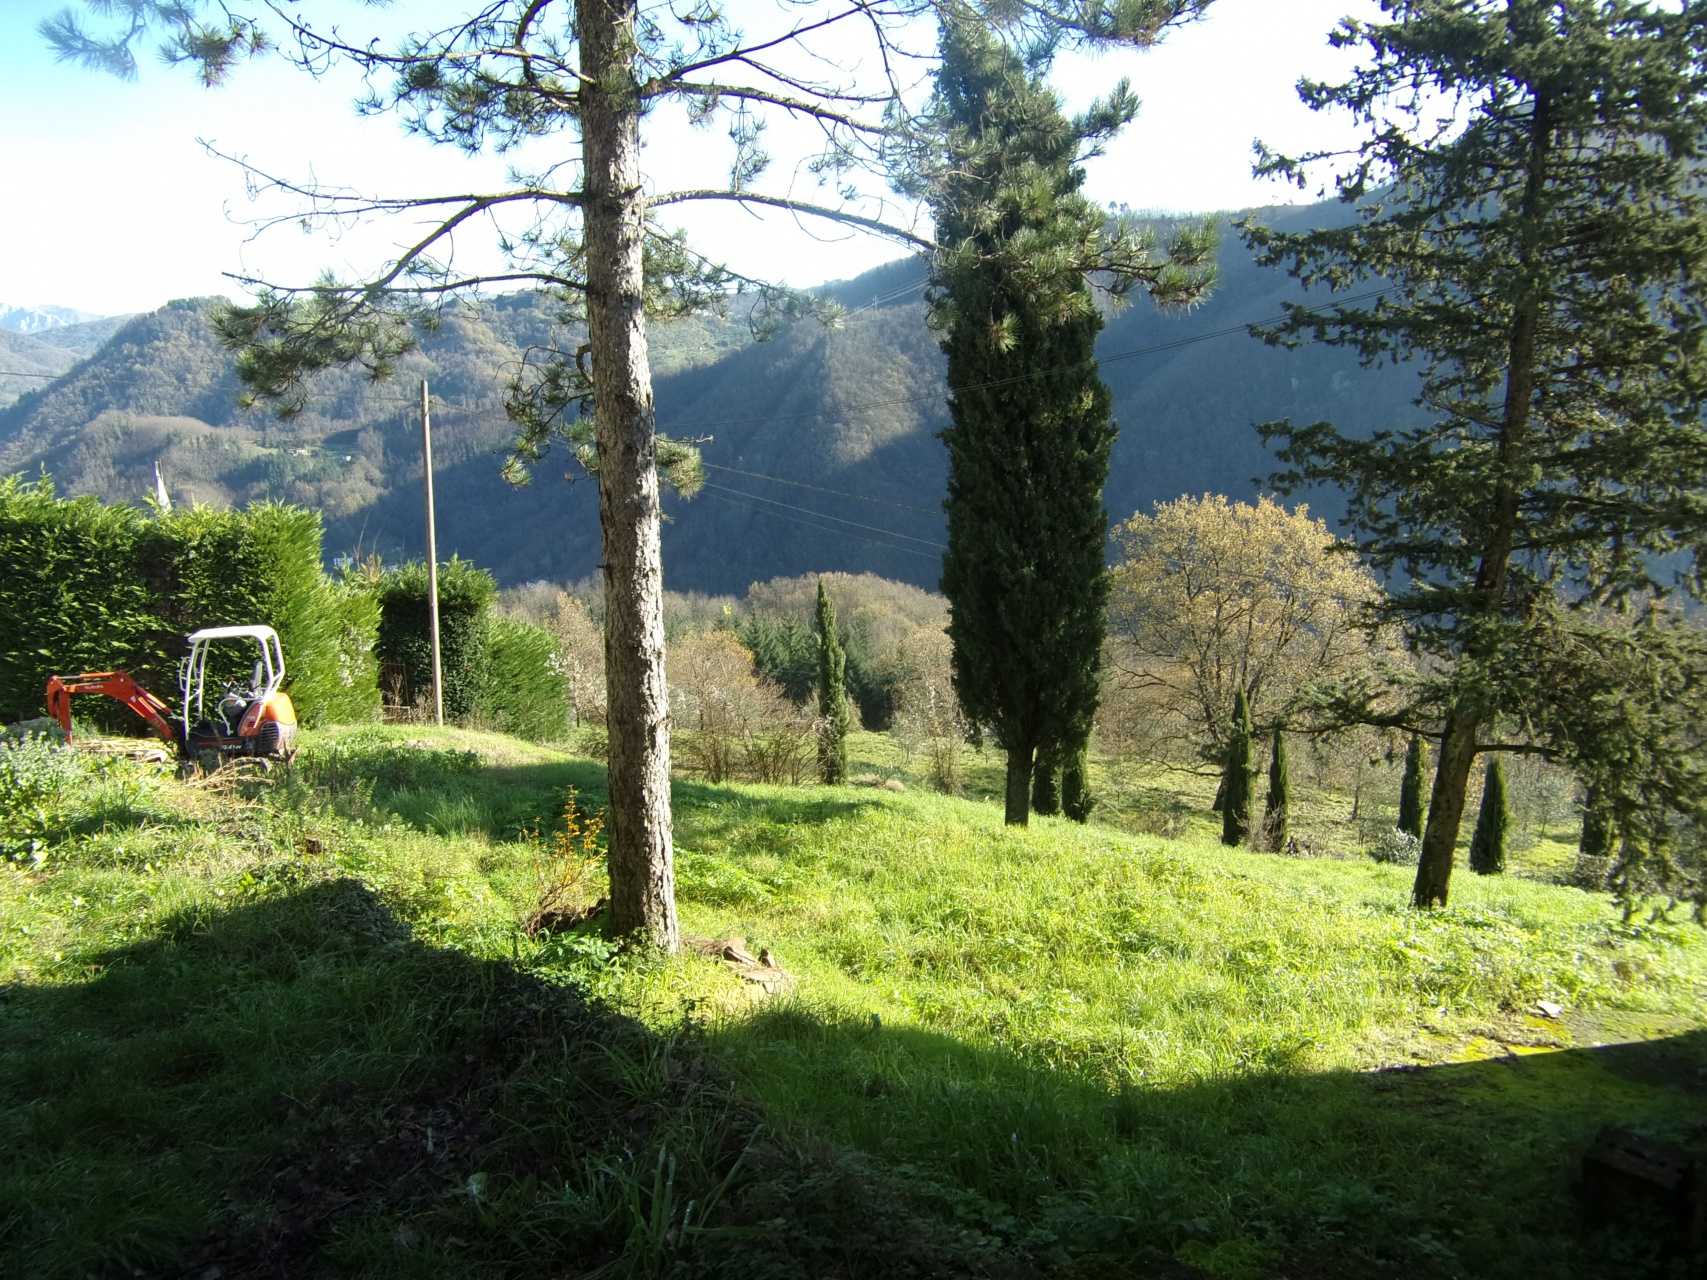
<point x="432" y="555"/>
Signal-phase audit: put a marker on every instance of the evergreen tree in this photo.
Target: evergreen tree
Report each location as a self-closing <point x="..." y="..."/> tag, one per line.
<point x="1411" y="787"/>
<point x="1597" y="834"/>
<point x="1076" y="799"/>
<point x="1030" y="434"/>
<point x="1046" y="780"/>
<point x="1487" y="845"/>
<point x="1541" y="262"/>
<point x="833" y="714"/>
<point x="1279" y="802"/>
<point x="1236" y="777"/>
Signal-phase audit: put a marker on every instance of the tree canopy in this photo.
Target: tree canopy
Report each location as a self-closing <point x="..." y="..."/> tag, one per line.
<point x="1529" y="200"/>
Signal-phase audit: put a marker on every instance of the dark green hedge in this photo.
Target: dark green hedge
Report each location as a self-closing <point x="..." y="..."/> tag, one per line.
<point x="93" y="587"/>
<point x="465" y="599"/>
<point x="526" y="692"/>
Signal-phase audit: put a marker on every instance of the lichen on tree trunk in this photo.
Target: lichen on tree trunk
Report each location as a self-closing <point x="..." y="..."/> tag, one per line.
<point x="642" y="873"/>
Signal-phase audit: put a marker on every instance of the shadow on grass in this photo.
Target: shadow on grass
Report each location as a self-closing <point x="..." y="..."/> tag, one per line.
<point x="501" y="800"/>
<point x="292" y="1086"/>
<point x="1458" y="1170"/>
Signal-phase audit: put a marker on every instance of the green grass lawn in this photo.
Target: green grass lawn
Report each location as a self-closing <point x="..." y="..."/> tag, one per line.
<point x="296" y="1017"/>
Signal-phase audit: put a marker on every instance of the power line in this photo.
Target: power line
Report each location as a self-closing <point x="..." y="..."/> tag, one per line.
<point x="888" y="533"/>
<point x="821" y="528"/>
<point x="1243" y="327"/>
<point x="13" y="373"/>
<point x="840" y="493"/>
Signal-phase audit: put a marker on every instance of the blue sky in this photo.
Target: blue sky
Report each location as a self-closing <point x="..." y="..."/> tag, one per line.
<point x="112" y="204"/>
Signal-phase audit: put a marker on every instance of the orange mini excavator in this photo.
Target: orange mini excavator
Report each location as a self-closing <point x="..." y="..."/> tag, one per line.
<point x="253" y="719"/>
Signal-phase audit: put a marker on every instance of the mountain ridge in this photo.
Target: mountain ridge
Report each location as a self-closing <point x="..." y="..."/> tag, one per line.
<point x="822" y="451"/>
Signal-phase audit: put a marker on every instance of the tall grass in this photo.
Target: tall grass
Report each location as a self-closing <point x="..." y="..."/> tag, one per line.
<point x="1096" y="1052"/>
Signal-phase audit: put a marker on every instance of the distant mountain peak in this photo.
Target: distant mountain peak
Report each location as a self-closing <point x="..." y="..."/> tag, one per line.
<point x="36" y="319"/>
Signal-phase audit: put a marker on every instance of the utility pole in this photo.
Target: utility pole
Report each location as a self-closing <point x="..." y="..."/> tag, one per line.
<point x="432" y="555"/>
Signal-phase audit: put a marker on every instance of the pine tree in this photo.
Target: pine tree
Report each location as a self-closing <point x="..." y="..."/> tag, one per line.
<point x="1279" y="802"/>
<point x="1487" y="845"/>
<point x="833" y="714"/>
<point x="1541" y="263"/>
<point x="1236" y="777"/>
<point x="1412" y="786"/>
<point x="1030" y="434"/>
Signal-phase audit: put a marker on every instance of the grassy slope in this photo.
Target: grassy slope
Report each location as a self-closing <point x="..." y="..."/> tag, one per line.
<point x="1091" y="1047"/>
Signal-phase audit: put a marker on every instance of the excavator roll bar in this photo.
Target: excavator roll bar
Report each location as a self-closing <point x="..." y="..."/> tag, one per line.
<point x="115" y="684"/>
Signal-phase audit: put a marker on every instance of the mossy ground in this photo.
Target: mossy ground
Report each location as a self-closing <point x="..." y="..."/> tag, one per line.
<point x="1074" y="1049"/>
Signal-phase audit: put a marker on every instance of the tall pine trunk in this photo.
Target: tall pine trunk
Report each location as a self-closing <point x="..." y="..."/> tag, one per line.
<point x="1458" y="745"/>
<point x="642" y="873"/>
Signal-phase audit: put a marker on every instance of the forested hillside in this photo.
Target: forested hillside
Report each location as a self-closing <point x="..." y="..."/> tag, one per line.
<point x="852" y="409"/>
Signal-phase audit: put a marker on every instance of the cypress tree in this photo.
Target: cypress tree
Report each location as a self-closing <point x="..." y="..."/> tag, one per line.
<point x="1597" y="834"/>
<point x="1236" y="778"/>
<point x="1275" y="809"/>
<point x="1046" y="781"/>
<point x="1413" y="786"/>
<point x="1487" y="845"/>
<point x="1076" y="799"/>
<point x="833" y="714"/>
<point x="1541" y="266"/>
<point x="1029" y="436"/>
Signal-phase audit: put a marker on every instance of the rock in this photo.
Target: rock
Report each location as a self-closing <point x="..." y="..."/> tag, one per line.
<point x="1547" y="1009"/>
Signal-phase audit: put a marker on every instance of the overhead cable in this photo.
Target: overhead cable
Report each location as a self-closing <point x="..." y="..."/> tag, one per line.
<point x="847" y="410"/>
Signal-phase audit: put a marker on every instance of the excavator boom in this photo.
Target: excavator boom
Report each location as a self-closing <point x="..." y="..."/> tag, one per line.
<point x="115" y="684"/>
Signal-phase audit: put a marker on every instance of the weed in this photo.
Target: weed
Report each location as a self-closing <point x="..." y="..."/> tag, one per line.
<point x="571" y="868"/>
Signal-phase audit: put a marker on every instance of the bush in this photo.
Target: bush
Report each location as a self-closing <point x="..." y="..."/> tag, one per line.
<point x="1396" y="846"/>
<point x="405" y="636"/>
<point x="526" y="693"/>
<point x="112" y="588"/>
<point x="35" y="776"/>
<point x="262" y="564"/>
<point x="730" y="722"/>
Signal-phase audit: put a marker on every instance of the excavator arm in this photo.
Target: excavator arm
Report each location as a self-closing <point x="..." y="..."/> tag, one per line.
<point x="115" y="684"/>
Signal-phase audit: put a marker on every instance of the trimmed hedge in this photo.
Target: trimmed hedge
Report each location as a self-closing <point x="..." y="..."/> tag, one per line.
<point x="92" y="587"/>
<point x="465" y="599"/>
<point x="527" y="693"/>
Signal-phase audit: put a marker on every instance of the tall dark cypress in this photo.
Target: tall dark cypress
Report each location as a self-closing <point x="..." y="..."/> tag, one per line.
<point x="833" y="714"/>
<point x="1236" y="778"/>
<point x="1029" y="437"/>
<point x="1279" y="802"/>
<point x="1597" y="837"/>
<point x="1413" y="787"/>
<point x="1487" y="845"/>
<point x="1076" y="798"/>
<point x="1046" y="780"/>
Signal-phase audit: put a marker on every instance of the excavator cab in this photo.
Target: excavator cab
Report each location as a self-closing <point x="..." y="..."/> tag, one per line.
<point x="232" y="717"/>
<point x="227" y="717"/>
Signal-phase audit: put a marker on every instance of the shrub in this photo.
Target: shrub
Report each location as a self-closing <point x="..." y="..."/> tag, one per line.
<point x="405" y="637"/>
<point x="526" y="693"/>
<point x="732" y="723"/>
<point x="112" y="588"/>
<point x="1396" y="846"/>
<point x="35" y="776"/>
